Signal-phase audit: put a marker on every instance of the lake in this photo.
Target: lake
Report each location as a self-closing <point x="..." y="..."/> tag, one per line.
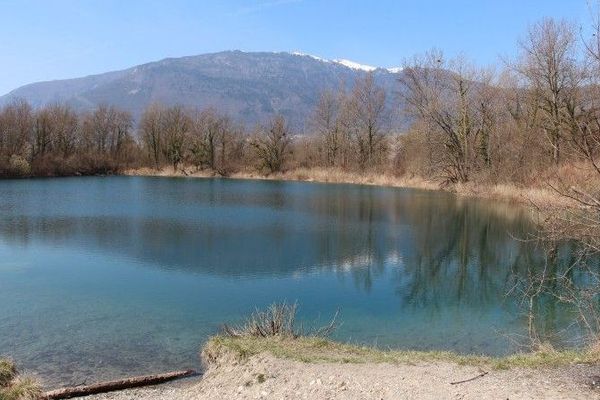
<point x="110" y="276"/>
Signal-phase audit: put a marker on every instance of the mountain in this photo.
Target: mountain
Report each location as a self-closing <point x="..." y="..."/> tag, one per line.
<point x="250" y="87"/>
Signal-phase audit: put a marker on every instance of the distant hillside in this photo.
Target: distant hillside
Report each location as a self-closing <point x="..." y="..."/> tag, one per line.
<point x="251" y="87"/>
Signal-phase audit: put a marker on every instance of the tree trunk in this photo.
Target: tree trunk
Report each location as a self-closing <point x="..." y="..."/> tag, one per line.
<point x="103" y="387"/>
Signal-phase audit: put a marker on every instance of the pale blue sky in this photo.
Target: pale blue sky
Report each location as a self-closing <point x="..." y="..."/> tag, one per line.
<point x="55" y="39"/>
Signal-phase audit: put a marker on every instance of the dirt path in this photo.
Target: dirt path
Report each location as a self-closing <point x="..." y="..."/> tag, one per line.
<point x="266" y="377"/>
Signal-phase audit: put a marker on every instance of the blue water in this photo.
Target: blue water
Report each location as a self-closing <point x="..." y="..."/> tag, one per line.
<point x="105" y="277"/>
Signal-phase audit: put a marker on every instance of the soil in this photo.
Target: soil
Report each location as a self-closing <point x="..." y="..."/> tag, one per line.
<point x="266" y="377"/>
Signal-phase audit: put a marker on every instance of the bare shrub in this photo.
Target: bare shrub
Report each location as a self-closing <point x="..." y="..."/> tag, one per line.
<point x="272" y="145"/>
<point x="19" y="166"/>
<point x="278" y="320"/>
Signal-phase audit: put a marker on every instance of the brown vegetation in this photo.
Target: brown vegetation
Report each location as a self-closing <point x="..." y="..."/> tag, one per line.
<point x="15" y="387"/>
<point x="278" y="320"/>
<point x="567" y="102"/>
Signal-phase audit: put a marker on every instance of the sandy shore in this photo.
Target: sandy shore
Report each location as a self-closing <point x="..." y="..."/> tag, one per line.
<point x="267" y="377"/>
<point x="317" y="369"/>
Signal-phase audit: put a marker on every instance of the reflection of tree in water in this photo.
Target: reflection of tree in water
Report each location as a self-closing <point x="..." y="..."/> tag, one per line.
<point x="363" y="245"/>
<point x="553" y="274"/>
<point x="463" y="254"/>
<point x="466" y="254"/>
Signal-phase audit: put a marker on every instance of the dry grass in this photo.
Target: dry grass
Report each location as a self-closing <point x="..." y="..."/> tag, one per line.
<point x="8" y="371"/>
<point x="325" y="175"/>
<point x="320" y="350"/>
<point x="539" y="197"/>
<point x="336" y="175"/>
<point x="14" y="387"/>
<point x="277" y="320"/>
<point x="538" y="194"/>
<point x="21" y="389"/>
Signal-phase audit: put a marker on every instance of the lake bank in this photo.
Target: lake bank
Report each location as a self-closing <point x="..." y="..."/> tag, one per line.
<point x="529" y="196"/>
<point x="251" y="368"/>
<point x="534" y="195"/>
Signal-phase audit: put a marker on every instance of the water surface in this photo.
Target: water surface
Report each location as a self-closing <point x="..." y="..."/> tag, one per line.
<point x="105" y="277"/>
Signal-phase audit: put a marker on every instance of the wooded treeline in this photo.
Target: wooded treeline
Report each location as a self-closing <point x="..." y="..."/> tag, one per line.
<point x="538" y="113"/>
<point x="350" y="132"/>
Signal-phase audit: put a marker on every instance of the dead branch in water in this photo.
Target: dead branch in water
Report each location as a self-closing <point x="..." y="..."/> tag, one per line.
<point x="103" y="387"/>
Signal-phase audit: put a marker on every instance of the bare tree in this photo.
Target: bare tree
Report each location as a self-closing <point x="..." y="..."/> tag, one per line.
<point x="152" y="133"/>
<point x="16" y="124"/>
<point x="122" y="124"/>
<point x="230" y="146"/>
<point x="488" y="114"/>
<point x="369" y="108"/>
<point x="327" y="125"/>
<point x="272" y="145"/>
<point x="583" y="139"/>
<point x="65" y="126"/>
<point x="106" y="130"/>
<point x="175" y="123"/>
<point x="574" y="104"/>
<point x="348" y="130"/>
<point x="520" y="149"/>
<point x="446" y="98"/>
<point x="42" y="134"/>
<point x="214" y="140"/>
<point x="207" y="128"/>
<point x="549" y="66"/>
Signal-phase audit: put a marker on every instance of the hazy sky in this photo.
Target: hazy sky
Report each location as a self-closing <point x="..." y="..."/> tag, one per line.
<point x="55" y="39"/>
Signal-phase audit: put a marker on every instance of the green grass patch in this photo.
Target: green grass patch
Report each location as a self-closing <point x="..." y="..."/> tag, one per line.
<point x="320" y="350"/>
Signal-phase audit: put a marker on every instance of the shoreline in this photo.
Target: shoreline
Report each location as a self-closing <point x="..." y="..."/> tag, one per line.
<point x="532" y="197"/>
<point x="309" y="367"/>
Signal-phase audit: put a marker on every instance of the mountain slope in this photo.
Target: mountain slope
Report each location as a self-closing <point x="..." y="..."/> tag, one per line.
<point x="250" y="87"/>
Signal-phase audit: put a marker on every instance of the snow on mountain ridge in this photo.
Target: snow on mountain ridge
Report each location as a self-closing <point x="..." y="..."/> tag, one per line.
<point x="349" y="64"/>
<point x="355" y="65"/>
<point x="395" y="70"/>
<point x="297" y="53"/>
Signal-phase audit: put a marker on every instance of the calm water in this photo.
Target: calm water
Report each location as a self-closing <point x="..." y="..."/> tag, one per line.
<point x="105" y="277"/>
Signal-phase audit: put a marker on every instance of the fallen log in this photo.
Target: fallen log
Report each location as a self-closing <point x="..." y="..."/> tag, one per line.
<point x="128" y="383"/>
